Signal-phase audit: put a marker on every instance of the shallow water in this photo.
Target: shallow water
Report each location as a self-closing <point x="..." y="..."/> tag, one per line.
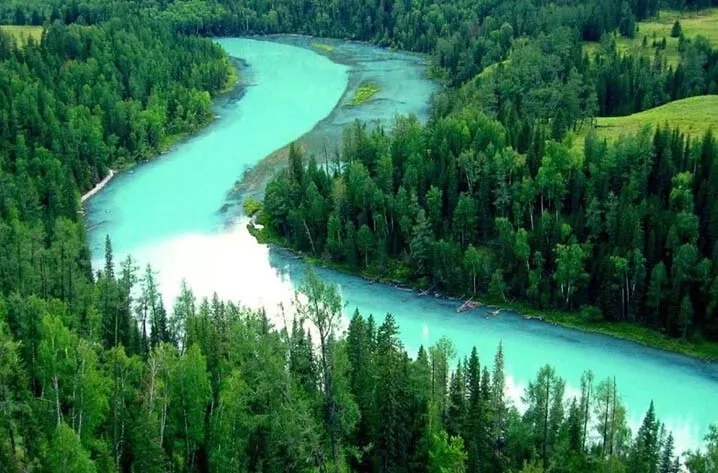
<point x="401" y="77"/>
<point x="166" y="213"/>
<point x="292" y="89"/>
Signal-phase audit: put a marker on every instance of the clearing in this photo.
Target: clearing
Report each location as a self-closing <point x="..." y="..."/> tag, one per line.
<point x="22" y="32"/>
<point x="701" y="23"/>
<point x="693" y="116"/>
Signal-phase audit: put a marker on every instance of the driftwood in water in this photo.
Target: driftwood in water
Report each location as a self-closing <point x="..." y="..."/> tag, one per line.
<point x="468" y="305"/>
<point x="426" y="291"/>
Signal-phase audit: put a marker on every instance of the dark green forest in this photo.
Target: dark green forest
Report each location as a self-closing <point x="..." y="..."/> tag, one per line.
<point x="495" y="197"/>
<point x="491" y="196"/>
<point x="622" y="233"/>
<point x="548" y="79"/>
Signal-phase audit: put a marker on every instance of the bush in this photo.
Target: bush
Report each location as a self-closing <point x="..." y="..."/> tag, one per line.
<point x="251" y="207"/>
<point x="591" y="314"/>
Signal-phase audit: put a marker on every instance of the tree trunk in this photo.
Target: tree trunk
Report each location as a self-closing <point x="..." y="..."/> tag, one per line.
<point x="613" y="417"/>
<point x="309" y="235"/>
<point x="545" y="425"/>
<point x="56" y="387"/>
<point x="586" y="414"/>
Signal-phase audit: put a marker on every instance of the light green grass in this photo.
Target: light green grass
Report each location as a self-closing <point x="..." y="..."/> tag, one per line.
<point x="21" y="32"/>
<point x="492" y="67"/>
<point x="327" y="48"/>
<point x="693" y="116"/>
<point x="518" y="43"/>
<point x="364" y="93"/>
<point x="703" y="23"/>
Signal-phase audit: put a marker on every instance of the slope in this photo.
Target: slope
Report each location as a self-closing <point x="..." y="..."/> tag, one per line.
<point x="693" y="116"/>
<point x="703" y="23"/>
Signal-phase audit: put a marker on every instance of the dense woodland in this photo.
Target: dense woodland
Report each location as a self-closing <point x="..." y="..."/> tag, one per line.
<point x="85" y="100"/>
<point x="548" y="78"/>
<point x="97" y="375"/>
<point x="624" y="233"/>
<point x="495" y="195"/>
<point x="214" y="387"/>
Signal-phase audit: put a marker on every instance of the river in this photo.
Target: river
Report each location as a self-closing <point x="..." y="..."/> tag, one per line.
<point x="167" y="213"/>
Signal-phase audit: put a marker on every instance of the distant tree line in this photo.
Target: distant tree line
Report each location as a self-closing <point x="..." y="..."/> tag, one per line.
<point x="543" y="73"/>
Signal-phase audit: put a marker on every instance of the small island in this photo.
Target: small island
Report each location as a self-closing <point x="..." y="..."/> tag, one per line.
<point x="364" y="93"/>
<point x="323" y="47"/>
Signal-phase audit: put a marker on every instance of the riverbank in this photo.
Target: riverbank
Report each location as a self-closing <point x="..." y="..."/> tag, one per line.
<point x="382" y="84"/>
<point x="98" y="187"/>
<point x="169" y="143"/>
<point x="705" y="351"/>
<point x="233" y="91"/>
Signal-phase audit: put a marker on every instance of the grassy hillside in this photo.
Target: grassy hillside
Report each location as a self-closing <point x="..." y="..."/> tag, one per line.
<point x="694" y="116"/>
<point x="703" y="23"/>
<point x="489" y="69"/>
<point x="21" y="33"/>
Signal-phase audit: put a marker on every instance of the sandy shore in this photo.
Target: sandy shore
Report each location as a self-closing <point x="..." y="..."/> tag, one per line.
<point x="98" y="187"/>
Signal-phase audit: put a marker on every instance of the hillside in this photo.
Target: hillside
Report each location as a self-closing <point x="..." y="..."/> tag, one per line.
<point x="703" y="23"/>
<point x="693" y="116"/>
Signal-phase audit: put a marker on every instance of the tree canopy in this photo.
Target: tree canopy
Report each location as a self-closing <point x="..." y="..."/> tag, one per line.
<point x="491" y="196"/>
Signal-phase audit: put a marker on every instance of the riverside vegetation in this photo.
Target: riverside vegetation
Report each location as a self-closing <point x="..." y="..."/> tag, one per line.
<point x="94" y="377"/>
<point x="497" y="197"/>
<point x="364" y="93"/>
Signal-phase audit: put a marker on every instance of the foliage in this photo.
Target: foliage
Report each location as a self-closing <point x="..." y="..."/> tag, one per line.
<point x="227" y="391"/>
<point x="22" y="33"/>
<point x="96" y="374"/>
<point x="659" y="37"/>
<point x="251" y="207"/>
<point x="557" y="228"/>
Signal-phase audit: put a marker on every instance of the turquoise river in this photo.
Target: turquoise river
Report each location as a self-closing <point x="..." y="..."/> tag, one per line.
<point x="166" y="213"/>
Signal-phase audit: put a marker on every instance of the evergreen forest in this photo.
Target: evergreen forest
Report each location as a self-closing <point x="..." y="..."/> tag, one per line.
<point x="507" y="192"/>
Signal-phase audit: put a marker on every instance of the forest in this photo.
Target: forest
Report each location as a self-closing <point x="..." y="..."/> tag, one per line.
<point x="497" y="195"/>
<point x="622" y="233"/>
<point x="508" y="193"/>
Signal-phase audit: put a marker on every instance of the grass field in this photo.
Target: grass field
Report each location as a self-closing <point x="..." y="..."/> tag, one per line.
<point x="693" y="116"/>
<point x="21" y="33"/>
<point x="703" y="23"/>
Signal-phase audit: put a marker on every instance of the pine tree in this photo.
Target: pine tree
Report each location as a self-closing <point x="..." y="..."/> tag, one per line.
<point x="646" y="448"/>
<point x="676" y="30"/>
